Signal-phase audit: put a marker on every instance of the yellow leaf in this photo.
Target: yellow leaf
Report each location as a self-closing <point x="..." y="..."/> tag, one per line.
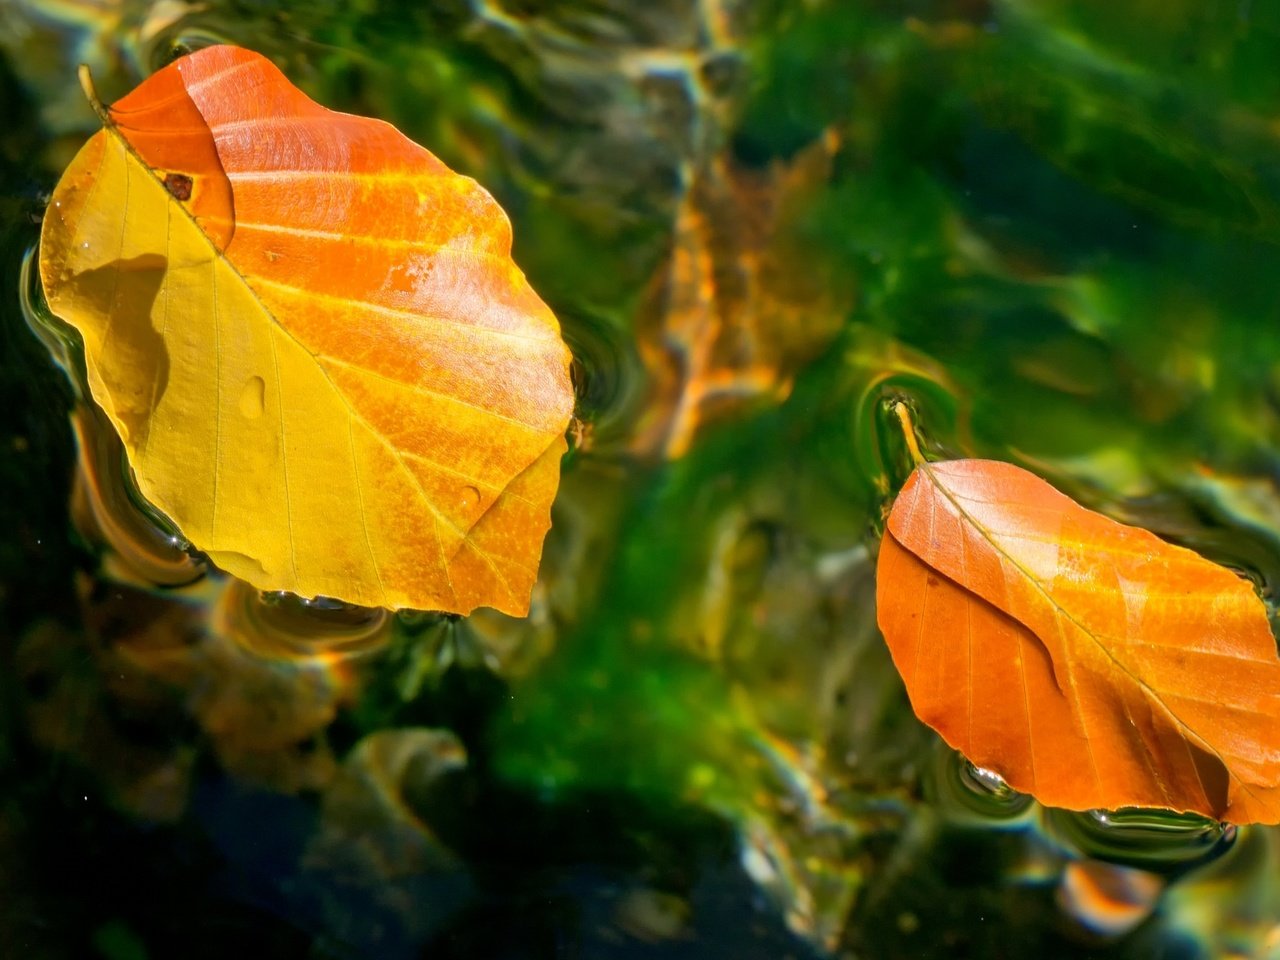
<point x="310" y="335"/>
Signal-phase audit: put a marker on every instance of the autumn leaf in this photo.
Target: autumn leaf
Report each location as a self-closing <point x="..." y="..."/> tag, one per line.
<point x="1088" y="663"/>
<point x="310" y="335"/>
<point x="741" y="303"/>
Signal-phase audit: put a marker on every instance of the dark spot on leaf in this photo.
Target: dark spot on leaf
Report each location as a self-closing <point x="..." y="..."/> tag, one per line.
<point x="931" y="580"/>
<point x="179" y="185"/>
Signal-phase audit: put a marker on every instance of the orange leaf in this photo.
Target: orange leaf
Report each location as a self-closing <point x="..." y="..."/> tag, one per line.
<point x="311" y="337"/>
<point x="1089" y="663"/>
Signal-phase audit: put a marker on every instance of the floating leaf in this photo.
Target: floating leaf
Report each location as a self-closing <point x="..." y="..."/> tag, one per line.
<point x="1087" y="662"/>
<point x="309" y="333"/>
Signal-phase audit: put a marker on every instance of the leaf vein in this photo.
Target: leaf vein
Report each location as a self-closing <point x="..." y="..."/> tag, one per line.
<point x="284" y="458"/>
<point x="217" y="396"/>
<point x="214" y="77"/>
<point x="419" y="389"/>
<point x="364" y="515"/>
<point x="393" y="312"/>
<point x="1191" y="561"/>
<point x="433" y="249"/>
<point x="1203" y="651"/>
<point x="462" y="475"/>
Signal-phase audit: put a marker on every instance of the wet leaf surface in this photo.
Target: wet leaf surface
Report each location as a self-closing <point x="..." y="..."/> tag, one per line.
<point x="1089" y="663"/>
<point x="324" y="365"/>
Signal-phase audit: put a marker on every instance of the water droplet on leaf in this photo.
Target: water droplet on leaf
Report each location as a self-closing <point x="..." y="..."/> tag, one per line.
<point x="470" y="498"/>
<point x="252" y="397"/>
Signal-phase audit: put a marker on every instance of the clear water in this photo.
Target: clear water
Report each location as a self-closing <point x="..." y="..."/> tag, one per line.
<point x="1050" y="227"/>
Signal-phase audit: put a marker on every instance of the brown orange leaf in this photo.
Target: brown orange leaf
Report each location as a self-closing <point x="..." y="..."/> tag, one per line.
<point x="311" y="337"/>
<point x="1089" y="663"/>
<point x="741" y="303"/>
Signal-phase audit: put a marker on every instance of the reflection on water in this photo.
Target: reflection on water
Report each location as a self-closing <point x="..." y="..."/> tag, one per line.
<point x="1156" y="840"/>
<point x="380" y="877"/>
<point x="1047" y="228"/>
<point x="1231" y="908"/>
<point x="106" y="509"/>
<point x="1108" y="900"/>
<point x="968" y="795"/>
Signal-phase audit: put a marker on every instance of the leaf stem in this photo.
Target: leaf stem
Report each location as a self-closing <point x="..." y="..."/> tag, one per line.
<point x="908" y="432"/>
<point x="86" y="84"/>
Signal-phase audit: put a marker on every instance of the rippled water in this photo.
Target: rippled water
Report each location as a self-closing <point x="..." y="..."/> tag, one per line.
<point x="1050" y="229"/>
